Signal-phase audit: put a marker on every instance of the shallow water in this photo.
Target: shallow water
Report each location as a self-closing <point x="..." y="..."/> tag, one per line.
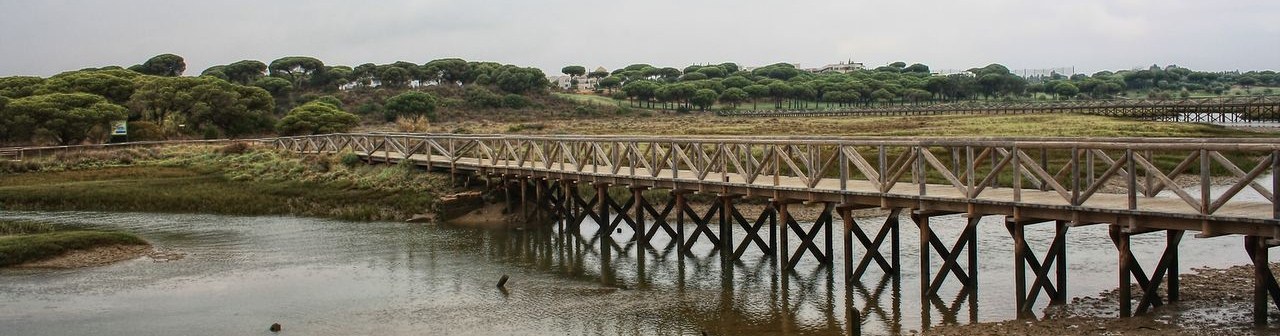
<point x="323" y="277"/>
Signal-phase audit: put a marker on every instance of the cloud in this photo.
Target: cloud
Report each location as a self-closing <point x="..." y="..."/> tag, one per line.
<point x="46" y="37"/>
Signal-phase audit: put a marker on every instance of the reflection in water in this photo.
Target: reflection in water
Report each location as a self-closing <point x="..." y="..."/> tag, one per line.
<point x="320" y="277"/>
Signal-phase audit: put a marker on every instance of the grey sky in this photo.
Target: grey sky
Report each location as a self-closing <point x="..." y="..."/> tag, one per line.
<point x="44" y="37"/>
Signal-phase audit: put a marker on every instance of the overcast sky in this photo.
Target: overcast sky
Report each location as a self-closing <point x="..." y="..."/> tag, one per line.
<point x="44" y="37"/>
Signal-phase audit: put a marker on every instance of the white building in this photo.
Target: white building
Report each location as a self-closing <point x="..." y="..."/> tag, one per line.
<point x="842" y="67"/>
<point x="584" y="83"/>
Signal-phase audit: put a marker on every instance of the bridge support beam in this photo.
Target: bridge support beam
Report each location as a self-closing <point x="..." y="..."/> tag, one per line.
<point x="702" y="225"/>
<point x="769" y="216"/>
<point x="929" y="243"/>
<point x="1264" y="281"/>
<point x="872" y="246"/>
<point x="807" y="237"/>
<point x="1055" y="259"/>
<point x="1166" y="270"/>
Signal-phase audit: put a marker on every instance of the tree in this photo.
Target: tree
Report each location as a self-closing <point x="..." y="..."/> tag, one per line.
<point x="736" y="82"/>
<point x="219" y="71"/>
<point x="610" y="82"/>
<point x="644" y="90"/>
<point x="712" y="71"/>
<point x="413" y="104"/>
<point x="201" y="103"/>
<point x="519" y="80"/>
<point x="669" y="74"/>
<point x="115" y="85"/>
<point x="1066" y="89"/>
<point x="276" y="86"/>
<point x="453" y="71"/>
<point x="729" y="67"/>
<point x="917" y="68"/>
<point x="316" y="118"/>
<point x="882" y="95"/>
<point x="693" y="76"/>
<point x="166" y="65"/>
<point x="19" y="86"/>
<point x="393" y="77"/>
<point x="779" y="91"/>
<point x="66" y="118"/>
<point x="598" y="74"/>
<point x="734" y="96"/>
<point x="298" y="70"/>
<point x="245" y="72"/>
<point x="704" y="98"/>
<point x="756" y="92"/>
<point x="574" y="71"/>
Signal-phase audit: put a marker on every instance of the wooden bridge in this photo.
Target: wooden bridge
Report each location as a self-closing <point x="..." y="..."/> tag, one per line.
<point x="1219" y="110"/>
<point x="1212" y="187"/>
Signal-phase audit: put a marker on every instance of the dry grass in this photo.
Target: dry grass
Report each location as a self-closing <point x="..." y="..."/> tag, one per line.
<point x="933" y="126"/>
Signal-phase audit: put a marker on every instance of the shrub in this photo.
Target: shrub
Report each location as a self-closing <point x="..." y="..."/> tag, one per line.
<point x="480" y="97"/>
<point x="331" y="100"/>
<point x="316" y="118"/>
<point x="349" y="159"/>
<point x="515" y="101"/>
<point x="234" y="148"/>
<point x="145" y="131"/>
<point x="413" y="104"/>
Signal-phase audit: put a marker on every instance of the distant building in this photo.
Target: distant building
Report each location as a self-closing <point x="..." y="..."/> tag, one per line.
<point x="584" y="83"/>
<point x="842" y="67"/>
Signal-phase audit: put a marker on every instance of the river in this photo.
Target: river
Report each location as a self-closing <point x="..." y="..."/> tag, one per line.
<point x="325" y="277"/>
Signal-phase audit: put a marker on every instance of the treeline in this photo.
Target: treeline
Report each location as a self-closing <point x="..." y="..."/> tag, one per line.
<point x="783" y="85"/>
<point x="290" y="95"/>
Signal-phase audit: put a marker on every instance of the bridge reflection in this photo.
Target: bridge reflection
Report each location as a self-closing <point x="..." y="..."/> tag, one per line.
<point x="727" y="296"/>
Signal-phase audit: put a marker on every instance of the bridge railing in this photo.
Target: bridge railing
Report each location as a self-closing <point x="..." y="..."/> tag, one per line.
<point x="1206" y="177"/>
<point x="19" y="153"/>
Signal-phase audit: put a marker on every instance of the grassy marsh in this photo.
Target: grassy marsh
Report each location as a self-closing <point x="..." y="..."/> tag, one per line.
<point x="205" y="179"/>
<point x="22" y="241"/>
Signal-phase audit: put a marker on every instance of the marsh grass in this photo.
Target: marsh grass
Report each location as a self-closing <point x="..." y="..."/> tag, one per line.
<point x="23" y="241"/>
<point x="221" y="180"/>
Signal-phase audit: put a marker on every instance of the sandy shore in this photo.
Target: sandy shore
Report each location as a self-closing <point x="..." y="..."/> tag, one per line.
<point x="1214" y="301"/>
<point x="97" y="256"/>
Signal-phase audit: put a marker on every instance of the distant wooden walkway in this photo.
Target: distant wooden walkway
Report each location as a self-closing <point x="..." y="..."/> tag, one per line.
<point x="1220" y="110"/>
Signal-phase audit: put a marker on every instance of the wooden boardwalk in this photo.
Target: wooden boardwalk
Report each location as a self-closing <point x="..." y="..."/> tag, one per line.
<point x="1211" y="187"/>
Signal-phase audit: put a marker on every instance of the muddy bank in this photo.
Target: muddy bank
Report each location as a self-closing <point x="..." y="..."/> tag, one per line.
<point x="1214" y="301"/>
<point x="96" y="256"/>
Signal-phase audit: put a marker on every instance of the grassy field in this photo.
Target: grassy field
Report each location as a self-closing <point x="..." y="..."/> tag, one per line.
<point x="932" y="126"/>
<point x="205" y="180"/>
<point x="22" y="242"/>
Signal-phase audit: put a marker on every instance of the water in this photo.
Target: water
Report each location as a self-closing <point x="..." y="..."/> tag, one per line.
<point x="323" y="277"/>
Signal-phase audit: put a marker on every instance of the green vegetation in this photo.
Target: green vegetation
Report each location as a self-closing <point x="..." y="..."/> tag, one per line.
<point x="787" y="87"/>
<point x="22" y="241"/>
<point x="237" y="179"/>
<point x="316" y="118"/>
<point x="249" y="97"/>
<point x="66" y="118"/>
<point x="413" y="105"/>
<point x="1033" y="125"/>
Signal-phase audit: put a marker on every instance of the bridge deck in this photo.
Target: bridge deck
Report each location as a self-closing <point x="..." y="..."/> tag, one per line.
<point x="1160" y="212"/>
